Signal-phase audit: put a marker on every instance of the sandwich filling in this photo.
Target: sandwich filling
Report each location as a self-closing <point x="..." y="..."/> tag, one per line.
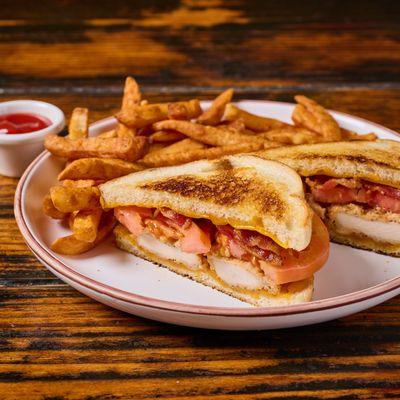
<point x="381" y="231"/>
<point x="360" y="207"/>
<point x="170" y="252"/>
<point x="239" y="257"/>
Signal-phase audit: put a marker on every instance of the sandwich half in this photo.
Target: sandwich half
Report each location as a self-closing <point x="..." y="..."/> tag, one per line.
<point x="354" y="187"/>
<point x="240" y="224"/>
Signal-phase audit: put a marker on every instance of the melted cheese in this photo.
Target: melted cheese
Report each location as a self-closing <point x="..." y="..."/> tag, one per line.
<point x="388" y="232"/>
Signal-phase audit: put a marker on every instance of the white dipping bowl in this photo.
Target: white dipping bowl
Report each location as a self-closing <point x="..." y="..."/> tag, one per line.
<point x="17" y="151"/>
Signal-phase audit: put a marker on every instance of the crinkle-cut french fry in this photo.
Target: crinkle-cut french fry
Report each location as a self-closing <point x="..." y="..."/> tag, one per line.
<point x="236" y="126"/>
<point x="98" y="169"/>
<point x="187" y="144"/>
<point x="311" y="115"/>
<point x="124" y="131"/>
<point x="207" y="134"/>
<point x="131" y="99"/>
<point x="182" y="109"/>
<point x="166" y="136"/>
<point x="71" y="217"/>
<point x="49" y="209"/>
<point x="214" y="114"/>
<point x="349" y="135"/>
<point x="70" y="245"/>
<point x="125" y="148"/>
<point x="291" y="135"/>
<point x="141" y="116"/>
<point x="108" y="134"/>
<point x="181" y="146"/>
<point x="68" y="199"/>
<point x="156" y="147"/>
<point x="162" y="158"/>
<point x="85" y="224"/>
<point x="252" y="121"/>
<point x="132" y="95"/>
<point x="78" y="124"/>
<point x="81" y="182"/>
<point x="177" y="111"/>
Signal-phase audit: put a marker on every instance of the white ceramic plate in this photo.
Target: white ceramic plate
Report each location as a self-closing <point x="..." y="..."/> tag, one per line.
<point x="353" y="280"/>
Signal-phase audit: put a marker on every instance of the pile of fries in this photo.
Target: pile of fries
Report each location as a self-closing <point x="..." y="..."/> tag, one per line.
<point x="163" y="134"/>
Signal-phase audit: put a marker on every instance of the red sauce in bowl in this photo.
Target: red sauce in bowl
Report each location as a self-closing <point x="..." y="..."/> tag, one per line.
<point x="22" y="123"/>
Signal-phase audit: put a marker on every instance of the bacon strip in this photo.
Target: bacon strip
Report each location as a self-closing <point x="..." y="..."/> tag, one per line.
<point x="247" y="245"/>
<point x="350" y="190"/>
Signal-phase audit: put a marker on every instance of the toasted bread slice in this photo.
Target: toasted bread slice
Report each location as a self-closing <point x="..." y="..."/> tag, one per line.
<point x="246" y="192"/>
<point x="377" y="161"/>
<point x="289" y="294"/>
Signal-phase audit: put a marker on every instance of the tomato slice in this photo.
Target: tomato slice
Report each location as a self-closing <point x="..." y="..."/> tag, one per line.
<point x="131" y="217"/>
<point x="195" y="240"/>
<point x="337" y="195"/>
<point x="299" y="265"/>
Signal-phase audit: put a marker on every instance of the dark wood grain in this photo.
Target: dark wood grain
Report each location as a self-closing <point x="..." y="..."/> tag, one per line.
<point x="56" y="344"/>
<point x="207" y="43"/>
<point x="262" y="12"/>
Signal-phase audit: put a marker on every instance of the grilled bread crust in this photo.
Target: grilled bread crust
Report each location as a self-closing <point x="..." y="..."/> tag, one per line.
<point x="377" y="161"/>
<point x="363" y="242"/>
<point x="247" y="192"/>
<point x="293" y="293"/>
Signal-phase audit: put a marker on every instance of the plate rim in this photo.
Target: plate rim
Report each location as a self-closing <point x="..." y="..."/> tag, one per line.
<point x="43" y="253"/>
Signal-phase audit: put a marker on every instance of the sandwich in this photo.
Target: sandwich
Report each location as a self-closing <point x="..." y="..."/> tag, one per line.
<point x="354" y="187"/>
<point x="239" y="224"/>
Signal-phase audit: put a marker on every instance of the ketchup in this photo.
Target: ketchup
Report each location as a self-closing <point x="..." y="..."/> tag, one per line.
<point x="22" y="123"/>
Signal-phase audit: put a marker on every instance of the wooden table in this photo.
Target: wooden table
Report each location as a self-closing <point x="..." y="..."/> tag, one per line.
<point x="58" y="344"/>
